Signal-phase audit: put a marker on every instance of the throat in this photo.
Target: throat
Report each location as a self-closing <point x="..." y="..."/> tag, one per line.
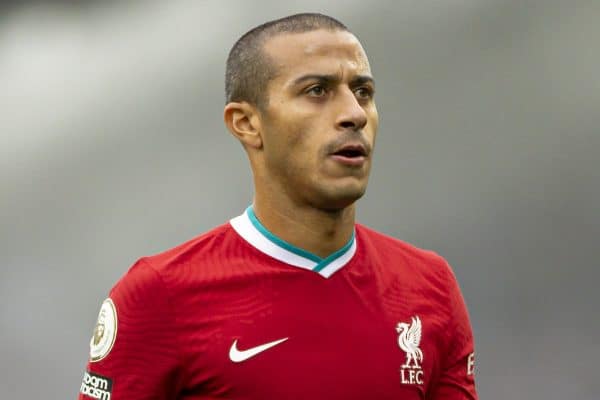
<point x="323" y="245"/>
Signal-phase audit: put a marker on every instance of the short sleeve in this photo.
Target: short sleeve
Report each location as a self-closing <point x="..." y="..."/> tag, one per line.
<point x="457" y="379"/>
<point x="134" y="353"/>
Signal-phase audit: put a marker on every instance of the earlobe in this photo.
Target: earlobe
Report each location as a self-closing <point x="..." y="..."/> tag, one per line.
<point x="243" y="122"/>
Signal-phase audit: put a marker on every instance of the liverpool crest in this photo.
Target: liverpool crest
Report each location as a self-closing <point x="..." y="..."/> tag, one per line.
<point x="409" y="339"/>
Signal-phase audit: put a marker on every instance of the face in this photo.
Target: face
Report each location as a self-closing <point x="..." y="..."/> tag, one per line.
<point x="319" y="125"/>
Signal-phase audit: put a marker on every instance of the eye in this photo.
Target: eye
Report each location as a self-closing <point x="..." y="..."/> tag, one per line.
<point x="316" y="91"/>
<point x="364" y="92"/>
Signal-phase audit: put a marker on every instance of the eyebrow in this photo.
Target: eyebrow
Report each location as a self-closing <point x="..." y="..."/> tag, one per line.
<point x="329" y="79"/>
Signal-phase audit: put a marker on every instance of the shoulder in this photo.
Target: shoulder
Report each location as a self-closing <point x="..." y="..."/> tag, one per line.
<point x="404" y="257"/>
<point x="380" y="242"/>
<point x="202" y="247"/>
<point x="159" y="272"/>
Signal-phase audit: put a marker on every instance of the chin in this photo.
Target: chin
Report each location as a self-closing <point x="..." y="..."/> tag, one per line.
<point x="336" y="199"/>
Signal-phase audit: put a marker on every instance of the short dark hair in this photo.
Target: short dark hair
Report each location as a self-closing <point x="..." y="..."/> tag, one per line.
<point x="249" y="70"/>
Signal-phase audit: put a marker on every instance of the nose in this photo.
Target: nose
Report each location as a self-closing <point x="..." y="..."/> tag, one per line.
<point x="351" y="114"/>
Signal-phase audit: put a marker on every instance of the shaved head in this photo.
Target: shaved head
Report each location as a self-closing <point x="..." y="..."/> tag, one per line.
<point x="249" y="69"/>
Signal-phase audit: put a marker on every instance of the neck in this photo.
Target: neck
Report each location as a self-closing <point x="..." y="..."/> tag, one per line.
<point x="321" y="232"/>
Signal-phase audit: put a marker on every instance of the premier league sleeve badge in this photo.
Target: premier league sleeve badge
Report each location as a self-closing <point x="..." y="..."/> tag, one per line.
<point x="105" y="331"/>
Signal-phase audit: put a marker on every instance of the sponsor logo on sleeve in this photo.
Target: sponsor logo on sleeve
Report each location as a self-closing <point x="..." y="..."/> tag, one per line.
<point x="105" y="331"/>
<point x="96" y="386"/>
<point x="471" y="364"/>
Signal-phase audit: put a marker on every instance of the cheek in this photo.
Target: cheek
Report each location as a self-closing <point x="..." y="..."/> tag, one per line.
<point x="292" y="134"/>
<point x="283" y="147"/>
<point x="374" y="120"/>
<point x="294" y="138"/>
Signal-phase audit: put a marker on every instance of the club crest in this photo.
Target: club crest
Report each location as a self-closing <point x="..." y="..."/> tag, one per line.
<point x="409" y="339"/>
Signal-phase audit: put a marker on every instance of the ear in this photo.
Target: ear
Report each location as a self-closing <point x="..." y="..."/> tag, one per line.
<point x="243" y="121"/>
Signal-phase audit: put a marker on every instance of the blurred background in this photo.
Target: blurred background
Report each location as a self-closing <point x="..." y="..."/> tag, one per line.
<point x="112" y="147"/>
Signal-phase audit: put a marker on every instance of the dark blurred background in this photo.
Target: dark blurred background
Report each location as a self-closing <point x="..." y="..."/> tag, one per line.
<point x="112" y="147"/>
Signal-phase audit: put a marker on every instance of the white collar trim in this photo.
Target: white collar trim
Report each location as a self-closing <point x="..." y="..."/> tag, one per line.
<point x="253" y="232"/>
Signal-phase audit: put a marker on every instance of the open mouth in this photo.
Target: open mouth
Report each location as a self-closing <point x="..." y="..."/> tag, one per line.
<point x="351" y="152"/>
<point x="354" y="155"/>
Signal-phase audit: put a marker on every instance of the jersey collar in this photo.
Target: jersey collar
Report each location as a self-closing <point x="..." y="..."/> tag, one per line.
<point x="251" y="230"/>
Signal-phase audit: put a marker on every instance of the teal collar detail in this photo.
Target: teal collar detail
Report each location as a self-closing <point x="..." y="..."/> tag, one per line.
<point x="249" y="228"/>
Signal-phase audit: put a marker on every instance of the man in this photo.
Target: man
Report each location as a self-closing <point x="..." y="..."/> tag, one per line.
<point x="292" y="299"/>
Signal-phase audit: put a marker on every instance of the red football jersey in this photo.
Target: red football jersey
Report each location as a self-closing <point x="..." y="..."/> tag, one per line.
<point x="239" y="314"/>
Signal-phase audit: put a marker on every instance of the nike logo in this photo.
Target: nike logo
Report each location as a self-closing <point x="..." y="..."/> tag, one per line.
<point x="236" y="355"/>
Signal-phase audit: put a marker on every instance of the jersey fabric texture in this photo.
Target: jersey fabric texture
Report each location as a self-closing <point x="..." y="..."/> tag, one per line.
<point x="237" y="313"/>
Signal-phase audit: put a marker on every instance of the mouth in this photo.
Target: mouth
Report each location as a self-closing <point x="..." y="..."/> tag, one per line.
<point x="350" y="154"/>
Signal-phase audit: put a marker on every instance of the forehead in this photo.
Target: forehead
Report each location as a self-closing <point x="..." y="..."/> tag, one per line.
<point x="319" y="51"/>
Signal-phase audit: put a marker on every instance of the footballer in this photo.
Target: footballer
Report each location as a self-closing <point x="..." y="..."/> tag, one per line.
<point x="291" y="299"/>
